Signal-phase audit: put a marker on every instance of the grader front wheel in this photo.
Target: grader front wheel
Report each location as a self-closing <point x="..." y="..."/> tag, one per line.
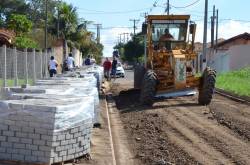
<point x="207" y="86"/>
<point x="148" y="89"/>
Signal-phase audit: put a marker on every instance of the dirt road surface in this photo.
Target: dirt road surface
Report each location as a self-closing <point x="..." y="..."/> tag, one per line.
<point x="178" y="131"/>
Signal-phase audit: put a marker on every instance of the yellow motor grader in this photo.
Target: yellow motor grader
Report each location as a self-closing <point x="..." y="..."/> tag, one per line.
<point x="171" y="62"/>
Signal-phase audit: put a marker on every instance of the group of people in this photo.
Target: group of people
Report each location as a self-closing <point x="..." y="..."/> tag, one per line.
<point x="69" y="65"/>
<point x="110" y="68"/>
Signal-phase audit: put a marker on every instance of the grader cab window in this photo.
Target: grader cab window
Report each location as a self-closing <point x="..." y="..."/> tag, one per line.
<point x="174" y="32"/>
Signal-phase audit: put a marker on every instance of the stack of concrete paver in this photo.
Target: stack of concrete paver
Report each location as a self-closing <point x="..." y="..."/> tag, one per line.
<point x="49" y="122"/>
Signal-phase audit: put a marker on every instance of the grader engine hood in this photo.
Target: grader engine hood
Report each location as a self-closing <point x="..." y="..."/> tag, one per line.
<point x="179" y="63"/>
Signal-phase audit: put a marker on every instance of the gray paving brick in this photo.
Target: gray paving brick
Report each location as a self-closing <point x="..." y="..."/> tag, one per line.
<point x="9" y="122"/>
<point x="26" y="140"/>
<point x="8" y="133"/>
<point x="62" y="153"/>
<point x="11" y="150"/>
<point x="31" y="158"/>
<point x="24" y="151"/>
<point x="72" y="141"/>
<point x="54" y="144"/>
<point x="43" y="159"/>
<point x="74" y="130"/>
<point x="46" y="137"/>
<point x="23" y="123"/>
<point x="28" y="129"/>
<point x="39" y="142"/>
<point x="21" y="134"/>
<point x="19" y="145"/>
<point x="34" y="136"/>
<point x="61" y="137"/>
<point x="13" y="139"/>
<point x="6" y="144"/>
<point x="70" y="157"/>
<point x="17" y="157"/>
<point x="3" y="127"/>
<point x="44" y="148"/>
<point x="78" y="134"/>
<point x="14" y="128"/>
<point x="57" y="159"/>
<point x="71" y="151"/>
<point x="41" y="131"/>
<point x="3" y="138"/>
<point x="5" y="156"/>
<point x="2" y="149"/>
<point x="64" y="142"/>
<point x="31" y="147"/>
<point x="38" y="153"/>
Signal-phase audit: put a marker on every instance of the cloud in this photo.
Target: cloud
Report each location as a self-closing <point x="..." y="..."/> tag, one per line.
<point x="109" y="38"/>
<point x="226" y="30"/>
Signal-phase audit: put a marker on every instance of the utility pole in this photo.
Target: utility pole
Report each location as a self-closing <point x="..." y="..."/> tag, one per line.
<point x="58" y="18"/>
<point x="217" y="26"/>
<point x="168" y="7"/>
<point x="46" y="24"/>
<point x="120" y="38"/>
<point x="212" y="27"/>
<point x="204" y="53"/>
<point x="98" y="37"/>
<point x="135" y="21"/>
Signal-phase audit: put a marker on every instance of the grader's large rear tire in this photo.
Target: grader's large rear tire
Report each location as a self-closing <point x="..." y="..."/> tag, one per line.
<point x="148" y="89"/>
<point x="207" y="86"/>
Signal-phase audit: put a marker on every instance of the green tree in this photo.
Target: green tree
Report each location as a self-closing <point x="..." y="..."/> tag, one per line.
<point x="19" y="24"/>
<point x="8" y="7"/>
<point x="133" y="50"/>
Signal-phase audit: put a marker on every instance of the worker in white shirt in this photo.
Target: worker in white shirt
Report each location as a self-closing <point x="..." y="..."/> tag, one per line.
<point x="52" y="66"/>
<point x="70" y="62"/>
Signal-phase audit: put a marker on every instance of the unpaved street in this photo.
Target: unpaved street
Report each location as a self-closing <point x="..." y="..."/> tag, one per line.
<point x="180" y="131"/>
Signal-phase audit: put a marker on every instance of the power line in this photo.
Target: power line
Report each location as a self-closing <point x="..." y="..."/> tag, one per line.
<point x="111" y="12"/>
<point x="189" y="5"/>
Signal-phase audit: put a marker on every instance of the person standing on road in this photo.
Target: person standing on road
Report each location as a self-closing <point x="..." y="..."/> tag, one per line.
<point x="70" y="62"/>
<point x="52" y="66"/>
<point x="87" y="61"/>
<point x="107" y="67"/>
<point x="114" y="66"/>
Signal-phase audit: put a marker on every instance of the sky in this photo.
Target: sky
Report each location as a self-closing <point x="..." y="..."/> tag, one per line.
<point x="115" y="16"/>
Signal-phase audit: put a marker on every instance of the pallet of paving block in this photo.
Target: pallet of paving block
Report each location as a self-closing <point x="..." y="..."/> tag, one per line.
<point x="75" y="161"/>
<point x="12" y="162"/>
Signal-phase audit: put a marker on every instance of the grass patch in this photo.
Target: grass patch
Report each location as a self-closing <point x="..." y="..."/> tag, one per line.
<point x="237" y="82"/>
<point x="11" y="82"/>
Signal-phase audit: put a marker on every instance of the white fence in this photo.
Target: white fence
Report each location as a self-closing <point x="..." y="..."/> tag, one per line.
<point x="18" y="67"/>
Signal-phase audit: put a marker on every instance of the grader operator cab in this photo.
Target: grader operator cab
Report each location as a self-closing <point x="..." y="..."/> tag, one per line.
<point x="171" y="63"/>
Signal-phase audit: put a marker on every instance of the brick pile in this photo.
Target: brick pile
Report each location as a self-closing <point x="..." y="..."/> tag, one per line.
<point x="40" y="129"/>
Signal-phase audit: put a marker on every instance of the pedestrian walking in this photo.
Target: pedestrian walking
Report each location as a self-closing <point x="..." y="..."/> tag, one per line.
<point x="52" y="66"/>
<point x="107" y="67"/>
<point x="70" y="62"/>
<point x="114" y="66"/>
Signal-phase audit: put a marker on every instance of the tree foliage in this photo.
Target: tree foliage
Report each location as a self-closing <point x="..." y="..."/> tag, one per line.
<point x="19" y="24"/>
<point x="19" y="15"/>
<point x="25" y="42"/>
<point x="133" y="50"/>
